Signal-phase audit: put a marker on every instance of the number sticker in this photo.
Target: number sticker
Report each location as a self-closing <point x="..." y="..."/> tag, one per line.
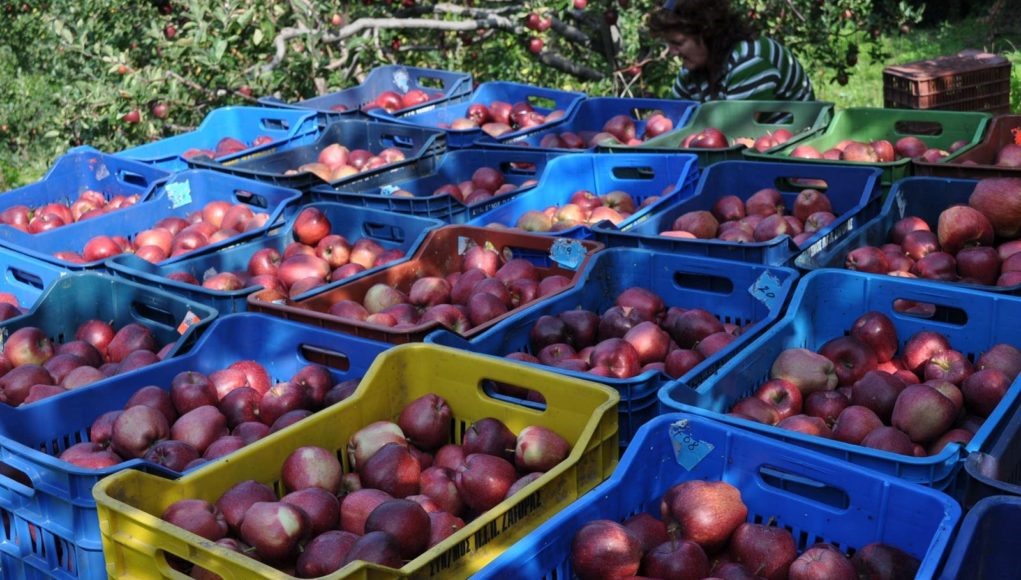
<point x="568" y="253"/>
<point x="766" y="288"/>
<point x="179" y="193"/>
<point x="688" y="450"/>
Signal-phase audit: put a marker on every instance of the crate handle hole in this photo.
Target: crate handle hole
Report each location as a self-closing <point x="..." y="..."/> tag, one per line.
<point x="539" y="102"/>
<point x="17" y="476"/>
<point x="275" y="124"/>
<point x="634" y="173"/>
<point x="401" y="141"/>
<point x="154" y="314"/>
<point x="249" y="198"/>
<point x="326" y="357"/>
<point x="930" y="128"/>
<point x="805" y="487"/>
<point x="26" y="278"/>
<point x="132" y="178"/>
<point x="800" y="183"/>
<point x="704" y="282"/>
<point x="930" y="311"/>
<point x="513" y="394"/>
<point x="518" y="167"/>
<point x="384" y="232"/>
<point x="430" y="82"/>
<point x="774" y="117"/>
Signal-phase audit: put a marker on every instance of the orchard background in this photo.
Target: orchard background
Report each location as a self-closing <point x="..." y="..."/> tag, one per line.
<point x="117" y="73"/>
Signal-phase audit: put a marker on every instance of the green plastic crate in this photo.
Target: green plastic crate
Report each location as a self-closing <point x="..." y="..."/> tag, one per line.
<point x="935" y="128"/>
<point x="738" y="119"/>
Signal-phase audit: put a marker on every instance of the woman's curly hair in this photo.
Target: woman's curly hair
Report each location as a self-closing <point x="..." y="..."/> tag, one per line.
<point x="715" y="21"/>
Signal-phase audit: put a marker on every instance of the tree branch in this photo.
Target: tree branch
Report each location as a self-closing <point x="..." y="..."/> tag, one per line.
<point x="560" y="63"/>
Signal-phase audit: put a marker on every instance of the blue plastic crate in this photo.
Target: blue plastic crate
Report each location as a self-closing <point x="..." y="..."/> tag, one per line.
<point x="180" y="195"/>
<point x="58" y="496"/>
<point x="853" y="192"/>
<point x="814" y="497"/>
<point x="416" y="144"/>
<point x="924" y="197"/>
<point x="544" y="100"/>
<point x="75" y="298"/>
<point x="824" y="306"/>
<point x="451" y="167"/>
<point x="25" y="278"/>
<point x="390" y="230"/>
<point x="743" y="294"/>
<point x="643" y="175"/>
<point x="245" y="124"/>
<point x="996" y="470"/>
<point x="443" y="85"/>
<point x="591" y="114"/>
<point x="987" y="544"/>
<point x="81" y="169"/>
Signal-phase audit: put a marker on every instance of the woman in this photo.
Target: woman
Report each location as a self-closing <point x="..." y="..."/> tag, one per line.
<point x="722" y="56"/>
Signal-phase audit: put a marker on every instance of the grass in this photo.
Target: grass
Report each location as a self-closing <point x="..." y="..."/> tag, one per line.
<point x="865" y="87"/>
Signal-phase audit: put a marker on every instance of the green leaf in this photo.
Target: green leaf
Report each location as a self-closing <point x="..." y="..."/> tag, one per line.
<point x="257" y="37"/>
<point x="218" y="49"/>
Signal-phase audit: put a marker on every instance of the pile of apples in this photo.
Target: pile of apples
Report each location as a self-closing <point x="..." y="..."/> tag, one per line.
<point x="879" y="151"/>
<point x="713" y="138"/>
<point x="173" y="236"/>
<point x="501" y="117"/>
<point x="760" y="218"/>
<point x="702" y="532"/>
<point x="482" y="290"/>
<point x="89" y="204"/>
<point x="391" y="101"/>
<point x="583" y="208"/>
<point x="336" y="161"/>
<point x="33" y="368"/>
<point x="315" y="257"/>
<point x="620" y="129"/>
<point x="976" y="243"/>
<point x="860" y="389"/>
<point x="203" y="417"/>
<point x="407" y="489"/>
<point x="637" y="334"/>
<point x="485" y="183"/>
<point x="227" y="146"/>
<point x="1009" y="155"/>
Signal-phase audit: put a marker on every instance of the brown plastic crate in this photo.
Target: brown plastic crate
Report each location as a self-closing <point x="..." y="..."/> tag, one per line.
<point x="439" y="255"/>
<point x="978" y="162"/>
<point x="967" y="81"/>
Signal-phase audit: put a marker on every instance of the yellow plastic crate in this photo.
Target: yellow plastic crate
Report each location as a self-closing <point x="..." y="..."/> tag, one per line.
<point x="136" y="541"/>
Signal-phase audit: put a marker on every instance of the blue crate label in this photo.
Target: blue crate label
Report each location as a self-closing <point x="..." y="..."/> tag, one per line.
<point x="388" y="190"/>
<point x="567" y="253"/>
<point x="902" y="205"/>
<point x="401" y="79"/>
<point x="766" y="289"/>
<point x="179" y="193"/>
<point x="689" y="451"/>
<point x="464" y="244"/>
<point x="187" y="322"/>
<point x="102" y="172"/>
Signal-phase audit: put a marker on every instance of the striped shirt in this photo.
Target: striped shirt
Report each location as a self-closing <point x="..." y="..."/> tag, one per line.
<point x="760" y="69"/>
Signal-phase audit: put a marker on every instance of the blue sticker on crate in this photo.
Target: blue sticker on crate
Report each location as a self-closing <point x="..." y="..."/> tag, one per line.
<point x="179" y="193"/>
<point x="765" y="288"/>
<point x="102" y="172"/>
<point x="567" y="253"/>
<point x="388" y="190"/>
<point x="401" y="79"/>
<point x="688" y="450"/>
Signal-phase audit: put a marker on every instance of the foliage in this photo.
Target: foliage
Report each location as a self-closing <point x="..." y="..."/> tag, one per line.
<point x="80" y="71"/>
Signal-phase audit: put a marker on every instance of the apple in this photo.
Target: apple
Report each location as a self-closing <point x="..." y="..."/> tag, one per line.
<point x="198" y="517"/>
<point x="605" y="549"/>
<point x="822" y="561"/>
<point x="356" y="506"/>
<point x="376" y="547"/>
<point x="137" y="429"/>
<point x="274" y="529"/>
<point x="325" y="554"/>
<point x="405" y="521"/>
<point x="704" y="512"/>
<point x="89" y="455"/>
<point x="879" y="560"/>
<point x="369" y="439"/>
<point x="392" y="469"/>
<point x="769" y="550"/>
<point x="426" y="421"/>
<point x="321" y="507"/>
<point x="172" y="454"/>
<point x="311" y="466"/>
<point x="807" y="370"/>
